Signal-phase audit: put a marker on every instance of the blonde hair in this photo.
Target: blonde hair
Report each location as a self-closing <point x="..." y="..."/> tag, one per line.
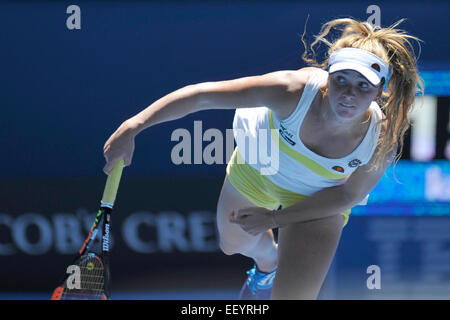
<point x="394" y="47"/>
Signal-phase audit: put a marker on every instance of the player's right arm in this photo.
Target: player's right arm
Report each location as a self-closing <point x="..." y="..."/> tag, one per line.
<point x="273" y="90"/>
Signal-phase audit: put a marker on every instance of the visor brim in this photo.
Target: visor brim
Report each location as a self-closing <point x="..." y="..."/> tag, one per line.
<point x="370" y="75"/>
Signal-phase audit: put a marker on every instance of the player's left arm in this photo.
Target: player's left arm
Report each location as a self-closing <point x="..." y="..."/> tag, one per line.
<point x="334" y="200"/>
<point x="364" y="179"/>
<point x="323" y="204"/>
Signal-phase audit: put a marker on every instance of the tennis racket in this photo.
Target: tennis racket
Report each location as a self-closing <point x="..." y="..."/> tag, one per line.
<point x="89" y="277"/>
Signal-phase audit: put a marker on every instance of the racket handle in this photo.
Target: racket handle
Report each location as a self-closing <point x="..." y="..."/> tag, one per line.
<point x="112" y="184"/>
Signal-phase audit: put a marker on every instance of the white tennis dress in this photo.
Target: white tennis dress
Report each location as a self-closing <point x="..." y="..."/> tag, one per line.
<point x="299" y="169"/>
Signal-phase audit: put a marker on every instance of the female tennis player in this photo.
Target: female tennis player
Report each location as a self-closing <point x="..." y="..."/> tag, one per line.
<point x="337" y="126"/>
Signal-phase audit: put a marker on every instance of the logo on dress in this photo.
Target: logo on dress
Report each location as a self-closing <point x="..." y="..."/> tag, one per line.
<point x="338" y="169"/>
<point x="354" y="163"/>
<point x="287" y="136"/>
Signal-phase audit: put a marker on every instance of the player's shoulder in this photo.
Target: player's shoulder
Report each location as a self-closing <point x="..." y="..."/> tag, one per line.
<point x="295" y="80"/>
<point x="294" y="83"/>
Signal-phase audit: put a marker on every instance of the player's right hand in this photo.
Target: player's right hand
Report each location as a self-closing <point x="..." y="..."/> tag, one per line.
<point x="119" y="146"/>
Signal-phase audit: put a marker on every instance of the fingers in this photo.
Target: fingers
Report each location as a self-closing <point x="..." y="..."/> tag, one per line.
<point x="232" y="217"/>
<point x="240" y="219"/>
<point x="116" y="154"/>
<point x="127" y="161"/>
<point x="241" y="213"/>
<point x="237" y="216"/>
<point x="111" y="163"/>
<point x="112" y="160"/>
<point x="249" y="220"/>
<point x="107" y="168"/>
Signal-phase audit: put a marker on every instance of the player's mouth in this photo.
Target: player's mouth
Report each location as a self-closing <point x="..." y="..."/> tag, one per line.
<point x="346" y="105"/>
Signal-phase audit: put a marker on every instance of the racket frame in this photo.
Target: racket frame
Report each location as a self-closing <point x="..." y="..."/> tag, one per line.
<point x="103" y="214"/>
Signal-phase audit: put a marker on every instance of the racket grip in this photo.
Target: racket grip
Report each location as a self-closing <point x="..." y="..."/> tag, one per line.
<point x="112" y="185"/>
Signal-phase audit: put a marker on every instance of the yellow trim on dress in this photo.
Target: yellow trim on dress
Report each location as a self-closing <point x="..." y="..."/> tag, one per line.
<point x="304" y="160"/>
<point x="259" y="189"/>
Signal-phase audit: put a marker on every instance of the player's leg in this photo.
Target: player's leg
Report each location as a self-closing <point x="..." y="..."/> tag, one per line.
<point x="305" y="251"/>
<point x="261" y="248"/>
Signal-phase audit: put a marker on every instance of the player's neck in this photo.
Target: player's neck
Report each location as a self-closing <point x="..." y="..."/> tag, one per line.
<point x="339" y="124"/>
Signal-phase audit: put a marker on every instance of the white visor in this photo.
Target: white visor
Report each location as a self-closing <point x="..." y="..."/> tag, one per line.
<point x="368" y="64"/>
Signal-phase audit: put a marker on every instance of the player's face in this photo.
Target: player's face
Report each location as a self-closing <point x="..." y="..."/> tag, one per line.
<point x="350" y="94"/>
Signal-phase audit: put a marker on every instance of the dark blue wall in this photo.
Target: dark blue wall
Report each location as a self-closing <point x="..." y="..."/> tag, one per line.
<point x="63" y="92"/>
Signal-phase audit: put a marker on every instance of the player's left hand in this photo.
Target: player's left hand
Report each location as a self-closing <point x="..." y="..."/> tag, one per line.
<point x="253" y="220"/>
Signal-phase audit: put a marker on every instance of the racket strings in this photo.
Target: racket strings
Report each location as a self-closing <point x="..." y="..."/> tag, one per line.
<point x="91" y="284"/>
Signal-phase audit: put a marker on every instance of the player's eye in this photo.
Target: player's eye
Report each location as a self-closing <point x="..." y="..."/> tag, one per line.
<point x="340" y="79"/>
<point x="364" y="85"/>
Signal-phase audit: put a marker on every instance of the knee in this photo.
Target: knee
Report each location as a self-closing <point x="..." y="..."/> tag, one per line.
<point x="225" y="249"/>
<point x="228" y="248"/>
<point x="233" y="247"/>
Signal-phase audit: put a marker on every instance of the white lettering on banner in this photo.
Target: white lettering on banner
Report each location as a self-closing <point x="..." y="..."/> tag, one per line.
<point x="131" y="234"/>
<point x="142" y="232"/>
<point x="67" y="232"/>
<point x="170" y="231"/>
<point x="26" y="245"/>
<point x="203" y="234"/>
<point x="7" y="248"/>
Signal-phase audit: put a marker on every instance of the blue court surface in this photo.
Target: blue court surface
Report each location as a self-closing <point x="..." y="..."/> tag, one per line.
<point x="139" y="295"/>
